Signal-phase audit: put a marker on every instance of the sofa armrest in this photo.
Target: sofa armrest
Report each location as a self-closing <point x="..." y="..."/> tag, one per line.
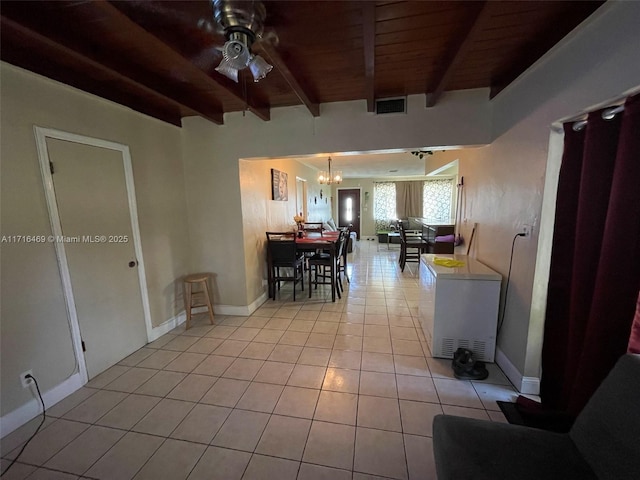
<point x="607" y="429"/>
<point x="471" y="449"/>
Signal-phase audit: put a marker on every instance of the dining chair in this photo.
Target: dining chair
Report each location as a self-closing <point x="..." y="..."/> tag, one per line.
<point x="282" y="253"/>
<point x="323" y="267"/>
<point x="411" y="247"/>
<point x="341" y="258"/>
<point x="312" y="226"/>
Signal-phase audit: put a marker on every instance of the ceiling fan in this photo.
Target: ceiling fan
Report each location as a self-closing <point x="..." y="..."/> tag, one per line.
<point x="242" y="23"/>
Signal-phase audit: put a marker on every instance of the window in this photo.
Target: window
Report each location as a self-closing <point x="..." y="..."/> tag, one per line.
<point x="384" y="204"/>
<point x="436" y="199"/>
<point x="348" y="210"/>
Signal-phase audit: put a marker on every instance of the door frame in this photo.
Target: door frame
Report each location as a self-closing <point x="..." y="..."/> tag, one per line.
<point x="337" y="205"/>
<point x="42" y="134"/>
<point x="301" y="208"/>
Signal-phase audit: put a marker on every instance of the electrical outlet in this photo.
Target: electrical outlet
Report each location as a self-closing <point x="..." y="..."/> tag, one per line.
<point x="527" y="230"/>
<point x="26" y="382"/>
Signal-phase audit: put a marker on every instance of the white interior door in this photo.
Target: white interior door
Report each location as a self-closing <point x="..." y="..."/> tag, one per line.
<point x="93" y="207"/>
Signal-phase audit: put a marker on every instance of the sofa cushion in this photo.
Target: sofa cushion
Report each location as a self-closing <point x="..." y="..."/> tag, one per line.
<point x="467" y="448"/>
<point x="606" y="431"/>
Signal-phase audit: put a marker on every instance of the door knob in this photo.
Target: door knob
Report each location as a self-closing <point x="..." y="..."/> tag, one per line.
<point x="132" y="263"/>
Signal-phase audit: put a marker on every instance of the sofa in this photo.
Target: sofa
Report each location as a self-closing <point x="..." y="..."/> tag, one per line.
<point x="330" y="225"/>
<point x="603" y="443"/>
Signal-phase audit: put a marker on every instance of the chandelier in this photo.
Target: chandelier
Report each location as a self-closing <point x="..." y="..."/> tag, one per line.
<point x="327" y="177"/>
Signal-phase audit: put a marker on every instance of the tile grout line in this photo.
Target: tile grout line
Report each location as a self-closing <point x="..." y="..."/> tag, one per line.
<point x="341" y="313"/>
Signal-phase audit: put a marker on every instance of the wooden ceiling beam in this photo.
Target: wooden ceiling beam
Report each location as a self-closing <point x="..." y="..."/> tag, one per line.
<point x="56" y="50"/>
<point x="119" y="20"/>
<point x="458" y="52"/>
<point x="369" y="40"/>
<point x="279" y="64"/>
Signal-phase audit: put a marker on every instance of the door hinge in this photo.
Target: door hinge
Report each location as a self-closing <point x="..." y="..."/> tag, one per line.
<point x="84" y="348"/>
<point x="51" y="167"/>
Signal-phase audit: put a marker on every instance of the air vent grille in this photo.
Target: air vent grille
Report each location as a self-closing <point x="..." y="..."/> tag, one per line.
<point x="480" y="349"/>
<point x="448" y="346"/>
<point x="391" y="105"/>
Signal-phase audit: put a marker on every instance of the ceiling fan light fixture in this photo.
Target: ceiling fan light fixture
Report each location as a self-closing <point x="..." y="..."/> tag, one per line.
<point x="241" y="22"/>
<point x="235" y="56"/>
<point x="259" y="67"/>
<point x="226" y="69"/>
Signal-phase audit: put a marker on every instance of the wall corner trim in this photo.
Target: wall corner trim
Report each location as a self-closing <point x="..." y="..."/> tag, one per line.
<point x="525" y="385"/>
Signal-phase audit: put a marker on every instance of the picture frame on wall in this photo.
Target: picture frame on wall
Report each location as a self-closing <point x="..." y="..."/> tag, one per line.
<point x="279" y="186"/>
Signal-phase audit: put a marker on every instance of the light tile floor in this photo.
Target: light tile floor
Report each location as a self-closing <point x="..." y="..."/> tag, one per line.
<point x="308" y="389"/>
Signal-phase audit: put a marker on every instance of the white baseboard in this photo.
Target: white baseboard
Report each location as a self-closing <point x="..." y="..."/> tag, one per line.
<point x="21" y="415"/>
<point x="525" y="385"/>
<point x="166" y="327"/>
<point x="244" y="310"/>
<point x="253" y="306"/>
<point x="530" y="386"/>
<point x="181" y="317"/>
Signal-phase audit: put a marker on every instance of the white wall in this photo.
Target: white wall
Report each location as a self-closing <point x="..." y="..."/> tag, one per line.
<point x="505" y="182"/>
<point x="34" y="329"/>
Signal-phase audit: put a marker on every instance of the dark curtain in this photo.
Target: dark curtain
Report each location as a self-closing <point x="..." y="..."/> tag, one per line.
<point x="595" y="261"/>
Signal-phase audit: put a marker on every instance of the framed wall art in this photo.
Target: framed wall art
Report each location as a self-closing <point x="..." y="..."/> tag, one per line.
<point x="279" y="187"/>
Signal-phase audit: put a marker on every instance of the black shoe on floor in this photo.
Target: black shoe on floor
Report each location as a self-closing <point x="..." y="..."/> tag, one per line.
<point x="465" y="367"/>
<point x="474" y="373"/>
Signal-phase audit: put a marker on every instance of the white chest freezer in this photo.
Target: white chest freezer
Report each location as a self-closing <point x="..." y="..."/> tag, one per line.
<point x="458" y="306"/>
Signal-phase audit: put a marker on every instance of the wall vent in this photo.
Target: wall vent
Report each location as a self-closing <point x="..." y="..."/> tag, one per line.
<point x="391" y="105"/>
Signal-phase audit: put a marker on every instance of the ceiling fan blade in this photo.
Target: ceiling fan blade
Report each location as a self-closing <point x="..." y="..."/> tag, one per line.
<point x="186" y="16"/>
<point x="207" y="58"/>
<point x="269" y="35"/>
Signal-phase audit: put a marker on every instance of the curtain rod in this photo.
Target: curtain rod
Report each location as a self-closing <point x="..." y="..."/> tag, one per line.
<point x="607" y="114"/>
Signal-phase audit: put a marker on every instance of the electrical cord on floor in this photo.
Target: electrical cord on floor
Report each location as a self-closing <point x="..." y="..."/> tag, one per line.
<point x="506" y="290"/>
<point x="44" y="417"/>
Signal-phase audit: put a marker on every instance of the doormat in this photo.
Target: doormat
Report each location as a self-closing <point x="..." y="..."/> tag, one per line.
<point x="552" y="421"/>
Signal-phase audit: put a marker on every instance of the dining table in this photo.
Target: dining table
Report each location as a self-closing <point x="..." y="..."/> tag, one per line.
<point x="327" y="241"/>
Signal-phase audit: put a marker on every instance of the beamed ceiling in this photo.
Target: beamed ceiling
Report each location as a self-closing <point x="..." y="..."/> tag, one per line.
<point x="158" y="57"/>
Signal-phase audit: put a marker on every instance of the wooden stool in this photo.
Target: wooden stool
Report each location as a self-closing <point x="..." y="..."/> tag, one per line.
<point x="198" y="298"/>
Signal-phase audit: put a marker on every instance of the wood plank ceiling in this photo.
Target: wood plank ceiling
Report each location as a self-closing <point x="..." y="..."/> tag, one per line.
<point x="158" y="57"/>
